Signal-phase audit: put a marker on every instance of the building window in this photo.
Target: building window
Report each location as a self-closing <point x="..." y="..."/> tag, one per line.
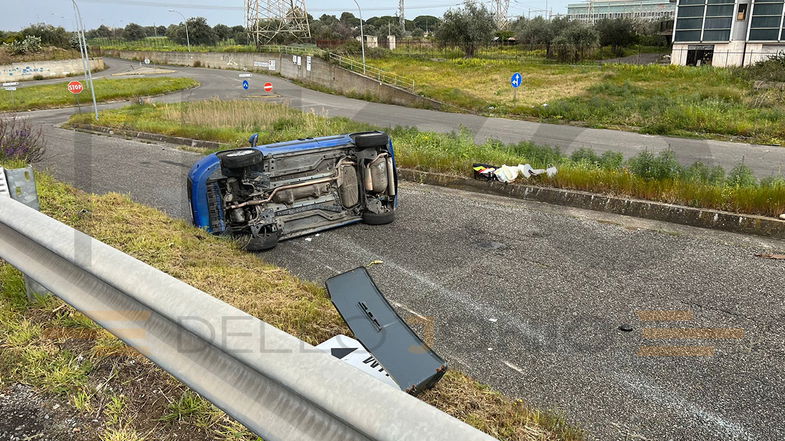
<point x="704" y="20"/>
<point x="766" y="22"/>
<point x="742" y="14"/>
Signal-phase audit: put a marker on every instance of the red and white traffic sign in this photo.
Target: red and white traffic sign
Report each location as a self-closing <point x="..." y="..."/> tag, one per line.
<point x="268" y="87"/>
<point x="75" y="87"/>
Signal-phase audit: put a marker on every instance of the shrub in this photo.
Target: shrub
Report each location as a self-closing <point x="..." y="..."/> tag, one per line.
<point x="20" y="141"/>
<point x="611" y="160"/>
<point x="771" y="69"/>
<point x="773" y="182"/>
<point x="29" y="45"/>
<point x="659" y="167"/>
<point x="741" y="177"/>
<point x="585" y="155"/>
<point x="703" y="174"/>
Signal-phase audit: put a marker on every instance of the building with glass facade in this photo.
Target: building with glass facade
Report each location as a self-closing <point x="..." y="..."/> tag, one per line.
<point x="728" y="32"/>
<point x="593" y="11"/>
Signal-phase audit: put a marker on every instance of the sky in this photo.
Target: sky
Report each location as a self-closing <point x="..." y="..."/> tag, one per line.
<point x="118" y="13"/>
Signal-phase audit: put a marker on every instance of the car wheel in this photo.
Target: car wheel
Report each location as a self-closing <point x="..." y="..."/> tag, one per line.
<point x="237" y="159"/>
<point x="260" y="243"/>
<point x="371" y="139"/>
<point x="379" y="219"/>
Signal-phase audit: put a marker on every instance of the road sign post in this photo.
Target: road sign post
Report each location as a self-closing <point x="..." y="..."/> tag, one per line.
<point x="76" y="88"/>
<point x="516" y="81"/>
<point x="11" y="87"/>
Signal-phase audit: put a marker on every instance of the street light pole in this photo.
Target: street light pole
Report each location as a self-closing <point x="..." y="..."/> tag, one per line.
<point x="85" y="55"/>
<point x="185" y="20"/>
<point x="362" y="35"/>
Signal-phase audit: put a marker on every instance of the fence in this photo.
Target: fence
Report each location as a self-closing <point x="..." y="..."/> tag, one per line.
<point x="373" y="72"/>
<point x="276" y="385"/>
<point x="710" y="55"/>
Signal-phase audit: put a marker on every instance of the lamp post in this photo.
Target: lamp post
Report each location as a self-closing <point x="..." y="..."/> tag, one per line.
<point x="185" y="20"/>
<point x="85" y="56"/>
<point x="362" y="34"/>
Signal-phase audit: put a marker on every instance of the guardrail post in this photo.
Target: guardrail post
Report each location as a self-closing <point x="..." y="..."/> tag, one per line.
<point x="19" y="184"/>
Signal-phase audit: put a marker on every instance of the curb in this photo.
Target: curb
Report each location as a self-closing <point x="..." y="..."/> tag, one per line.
<point x="677" y="214"/>
<point x="196" y="143"/>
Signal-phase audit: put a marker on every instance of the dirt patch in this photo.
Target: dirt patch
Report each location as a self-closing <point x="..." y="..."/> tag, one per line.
<point x="28" y="415"/>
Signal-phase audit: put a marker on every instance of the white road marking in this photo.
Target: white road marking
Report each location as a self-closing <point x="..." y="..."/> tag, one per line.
<point x="513" y="367"/>
<point x="685" y="407"/>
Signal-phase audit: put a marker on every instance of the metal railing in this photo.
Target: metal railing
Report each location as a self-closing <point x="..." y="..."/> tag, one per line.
<point x="348" y="64"/>
<point x="375" y="73"/>
<point x="278" y="386"/>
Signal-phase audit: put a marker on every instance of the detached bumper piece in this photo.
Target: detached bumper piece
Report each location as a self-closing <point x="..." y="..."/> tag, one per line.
<point x="374" y="322"/>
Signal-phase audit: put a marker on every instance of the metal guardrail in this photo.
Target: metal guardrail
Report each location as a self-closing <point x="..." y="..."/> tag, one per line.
<point x="273" y="383"/>
<point x="349" y="64"/>
<point x="374" y="72"/>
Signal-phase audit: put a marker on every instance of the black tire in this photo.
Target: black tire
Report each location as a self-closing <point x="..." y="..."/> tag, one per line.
<point x="371" y="139"/>
<point x="379" y="219"/>
<point x="260" y="243"/>
<point x="242" y="158"/>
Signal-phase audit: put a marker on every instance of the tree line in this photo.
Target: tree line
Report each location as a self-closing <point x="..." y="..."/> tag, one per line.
<point x="468" y="27"/>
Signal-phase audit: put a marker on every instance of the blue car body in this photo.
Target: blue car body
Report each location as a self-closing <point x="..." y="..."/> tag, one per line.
<point x="279" y="182"/>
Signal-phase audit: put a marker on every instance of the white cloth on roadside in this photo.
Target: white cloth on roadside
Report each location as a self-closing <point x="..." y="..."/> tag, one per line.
<point x="509" y="174"/>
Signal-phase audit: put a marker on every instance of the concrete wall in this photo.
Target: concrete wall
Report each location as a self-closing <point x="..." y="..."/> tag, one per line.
<point x="730" y="54"/>
<point x="46" y="69"/>
<point x="321" y="73"/>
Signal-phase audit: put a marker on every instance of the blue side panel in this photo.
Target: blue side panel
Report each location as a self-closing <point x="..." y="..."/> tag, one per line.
<point x="198" y="177"/>
<point x="305" y="144"/>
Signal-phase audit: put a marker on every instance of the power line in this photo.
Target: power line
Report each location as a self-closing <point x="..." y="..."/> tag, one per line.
<point x="242" y="8"/>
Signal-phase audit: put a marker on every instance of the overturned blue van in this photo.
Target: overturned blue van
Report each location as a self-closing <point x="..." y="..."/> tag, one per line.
<point x="265" y="194"/>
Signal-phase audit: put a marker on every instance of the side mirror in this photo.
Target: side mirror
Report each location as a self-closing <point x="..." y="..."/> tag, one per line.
<point x="254" y="139"/>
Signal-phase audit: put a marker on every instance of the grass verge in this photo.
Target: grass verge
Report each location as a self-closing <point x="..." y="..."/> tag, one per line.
<point x="56" y="95"/>
<point x="54" y="348"/>
<point x="669" y="100"/>
<point x="657" y="178"/>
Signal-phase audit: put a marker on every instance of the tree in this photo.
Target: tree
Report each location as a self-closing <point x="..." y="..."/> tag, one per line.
<point x="101" y="32"/>
<point x="240" y="35"/>
<point x="536" y="31"/>
<point x="575" y="41"/>
<point x="428" y="23"/>
<point x="49" y="35"/>
<point x="469" y="27"/>
<point x="199" y="32"/>
<point x="350" y="20"/>
<point x="134" y="32"/>
<point x="222" y="32"/>
<point x="617" y="33"/>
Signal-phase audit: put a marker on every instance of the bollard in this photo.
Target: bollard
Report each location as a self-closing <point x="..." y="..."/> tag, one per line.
<point x="19" y="184"/>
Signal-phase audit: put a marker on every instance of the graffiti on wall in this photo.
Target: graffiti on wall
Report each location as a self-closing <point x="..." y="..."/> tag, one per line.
<point x="13" y="71"/>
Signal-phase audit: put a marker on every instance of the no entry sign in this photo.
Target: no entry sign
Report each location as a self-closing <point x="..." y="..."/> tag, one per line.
<point x="75" y="87"/>
<point x="268" y="87"/>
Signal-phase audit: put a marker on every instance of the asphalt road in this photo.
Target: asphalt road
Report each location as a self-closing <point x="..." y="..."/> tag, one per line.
<point x="528" y="297"/>
<point x="764" y="160"/>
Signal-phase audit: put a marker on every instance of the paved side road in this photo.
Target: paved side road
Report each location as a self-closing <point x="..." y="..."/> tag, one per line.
<point x="529" y="297"/>
<point x="225" y="84"/>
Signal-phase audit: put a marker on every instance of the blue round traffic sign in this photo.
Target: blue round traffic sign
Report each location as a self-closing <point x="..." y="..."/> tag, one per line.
<point x="517" y="80"/>
<point x="246" y="84"/>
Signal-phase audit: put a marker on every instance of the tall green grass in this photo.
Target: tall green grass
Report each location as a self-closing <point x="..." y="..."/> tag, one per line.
<point x="669" y="100"/>
<point x="56" y="95"/>
<point x="647" y="176"/>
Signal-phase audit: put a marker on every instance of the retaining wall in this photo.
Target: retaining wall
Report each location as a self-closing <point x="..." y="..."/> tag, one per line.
<point x="32" y="70"/>
<point x="318" y="72"/>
